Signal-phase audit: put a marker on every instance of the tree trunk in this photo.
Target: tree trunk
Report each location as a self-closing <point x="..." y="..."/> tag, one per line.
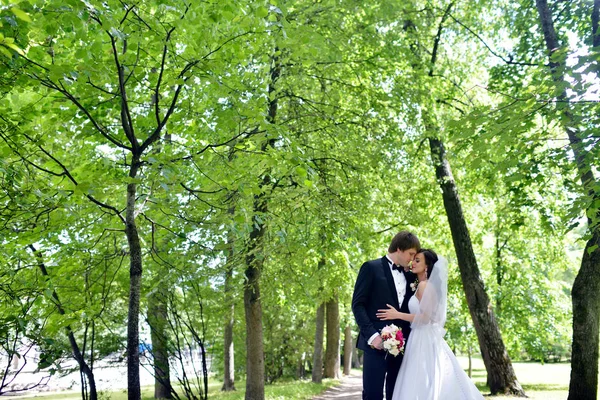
<point x="300" y="370"/>
<point x="255" y="363"/>
<point x="255" y="360"/>
<point x="355" y="355"/>
<point x="585" y="294"/>
<point x="135" y="284"/>
<point x="332" y="351"/>
<point x="501" y="375"/>
<point x="586" y="312"/>
<point x="470" y="352"/>
<point x="157" y="319"/>
<point x="77" y="354"/>
<point x="317" y="370"/>
<point x="348" y="347"/>
<point x="228" y="354"/>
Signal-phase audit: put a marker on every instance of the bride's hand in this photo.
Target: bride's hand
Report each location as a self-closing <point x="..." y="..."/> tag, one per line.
<point x="389" y="313"/>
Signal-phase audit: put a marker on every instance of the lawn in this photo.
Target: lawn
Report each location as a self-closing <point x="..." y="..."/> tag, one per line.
<point x="540" y="381"/>
<point x="296" y="390"/>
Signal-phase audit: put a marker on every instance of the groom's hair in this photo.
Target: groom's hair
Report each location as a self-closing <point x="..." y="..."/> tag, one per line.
<point x="403" y="241"/>
<point x="430" y="259"/>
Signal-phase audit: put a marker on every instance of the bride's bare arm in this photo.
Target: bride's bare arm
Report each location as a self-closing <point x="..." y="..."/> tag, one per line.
<point x="392" y="313"/>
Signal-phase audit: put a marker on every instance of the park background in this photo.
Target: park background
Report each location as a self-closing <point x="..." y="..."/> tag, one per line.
<point x="191" y="186"/>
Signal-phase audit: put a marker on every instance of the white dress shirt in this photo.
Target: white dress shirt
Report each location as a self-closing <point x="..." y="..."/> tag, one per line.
<point x="400" y="282"/>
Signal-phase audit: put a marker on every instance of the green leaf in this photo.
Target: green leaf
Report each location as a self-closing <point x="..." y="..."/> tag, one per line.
<point x="262" y="12"/>
<point x="4" y="51"/>
<point x="22" y="15"/>
<point x="15" y="48"/>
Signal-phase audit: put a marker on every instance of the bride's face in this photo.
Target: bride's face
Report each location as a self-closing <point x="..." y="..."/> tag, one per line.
<point x="418" y="264"/>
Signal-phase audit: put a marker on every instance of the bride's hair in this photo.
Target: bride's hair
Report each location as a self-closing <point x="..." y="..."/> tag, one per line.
<point x="430" y="259"/>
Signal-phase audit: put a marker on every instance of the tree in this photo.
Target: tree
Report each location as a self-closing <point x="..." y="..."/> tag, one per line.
<point x="586" y="288"/>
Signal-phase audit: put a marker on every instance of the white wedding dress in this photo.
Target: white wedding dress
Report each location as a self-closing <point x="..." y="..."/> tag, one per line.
<point x="430" y="371"/>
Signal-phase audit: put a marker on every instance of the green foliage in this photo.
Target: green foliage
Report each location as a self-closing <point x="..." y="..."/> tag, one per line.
<point x="346" y="156"/>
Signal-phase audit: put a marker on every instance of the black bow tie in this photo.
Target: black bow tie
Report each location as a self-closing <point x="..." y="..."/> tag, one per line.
<point x="397" y="267"/>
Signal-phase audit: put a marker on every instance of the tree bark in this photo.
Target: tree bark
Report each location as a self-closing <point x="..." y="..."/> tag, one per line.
<point x="77" y="354"/>
<point x="332" y="351"/>
<point x="157" y="319"/>
<point x="317" y="370"/>
<point x="586" y="312"/>
<point x="255" y="363"/>
<point x="585" y="294"/>
<point x="501" y="375"/>
<point x="348" y="347"/>
<point x="135" y="285"/>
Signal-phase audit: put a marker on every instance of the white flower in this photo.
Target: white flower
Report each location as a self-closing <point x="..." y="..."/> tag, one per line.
<point x="414" y="285"/>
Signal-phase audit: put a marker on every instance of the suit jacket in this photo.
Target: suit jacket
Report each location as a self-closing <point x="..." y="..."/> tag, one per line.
<point x="374" y="289"/>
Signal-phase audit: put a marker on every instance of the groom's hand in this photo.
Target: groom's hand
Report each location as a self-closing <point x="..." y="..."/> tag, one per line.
<point x="377" y="343"/>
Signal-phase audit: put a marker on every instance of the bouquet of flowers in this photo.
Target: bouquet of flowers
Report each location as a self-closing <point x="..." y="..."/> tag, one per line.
<point x="393" y="340"/>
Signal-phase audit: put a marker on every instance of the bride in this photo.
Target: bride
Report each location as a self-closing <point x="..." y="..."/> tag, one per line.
<point x="429" y="371"/>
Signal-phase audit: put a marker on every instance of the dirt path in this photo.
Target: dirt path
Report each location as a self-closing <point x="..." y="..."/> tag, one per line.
<point x="349" y="389"/>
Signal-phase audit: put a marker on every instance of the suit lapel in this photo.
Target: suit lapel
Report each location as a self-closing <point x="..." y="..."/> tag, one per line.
<point x="408" y="276"/>
<point x="390" y="279"/>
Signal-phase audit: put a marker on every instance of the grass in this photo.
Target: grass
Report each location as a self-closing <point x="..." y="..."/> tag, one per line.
<point x="292" y="390"/>
<point x="280" y="390"/>
<point x="540" y="381"/>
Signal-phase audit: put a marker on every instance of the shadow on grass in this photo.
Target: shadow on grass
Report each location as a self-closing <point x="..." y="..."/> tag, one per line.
<point x="545" y="387"/>
<point x="478" y="373"/>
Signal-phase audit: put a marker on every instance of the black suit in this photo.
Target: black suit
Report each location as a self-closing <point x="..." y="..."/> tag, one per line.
<point x="374" y="289"/>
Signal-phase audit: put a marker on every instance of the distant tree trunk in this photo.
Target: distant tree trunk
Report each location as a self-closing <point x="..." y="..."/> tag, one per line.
<point x="332" y="351"/>
<point x="317" y="370"/>
<point x="586" y="288"/>
<point x="348" y="349"/>
<point x="501" y="375"/>
<point x="228" y="353"/>
<point x="355" y="355"/>
<point x="77" y="354"/>
<point x="470" y="353"/>
<point x="300" y="371"/>
<point x="157" y="319"/>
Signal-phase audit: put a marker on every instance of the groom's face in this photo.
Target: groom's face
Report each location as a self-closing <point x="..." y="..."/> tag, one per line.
<point x="404" y="257"/>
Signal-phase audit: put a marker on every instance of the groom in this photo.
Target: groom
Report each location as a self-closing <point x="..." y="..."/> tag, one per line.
<point x="380" y="282"/>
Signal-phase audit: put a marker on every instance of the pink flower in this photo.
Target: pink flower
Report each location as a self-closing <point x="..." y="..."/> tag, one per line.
<point x="399" y="336"/>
